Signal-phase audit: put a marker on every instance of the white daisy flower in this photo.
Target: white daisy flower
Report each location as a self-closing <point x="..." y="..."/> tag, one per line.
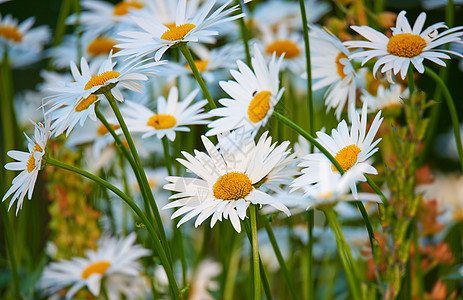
<point x="386" y="98"/>
<point x="23" y="43"/>
<point x="254" y="94"/>
<point x="115" y="262"/>
<point x="171" y="115"/>
<point x="407" y="45"/>
<point x="331" y="68"/>
<point x="351" y="148"/>
<point x="228" y="183"/>
<point x="157" y="37"/>
<point x="29" y="163"/>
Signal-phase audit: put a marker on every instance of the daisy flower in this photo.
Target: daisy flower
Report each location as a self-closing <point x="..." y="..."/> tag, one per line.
<point x="351" y="148"/>
<point x="229" y="182"/>
<point x="406" y="45"/>
<point x="158" y="37"/>
<point x="254" y="94"/>
<point x="29" y="163"/>
<point x="386" y="98"/>
<point x="115" y="262"/>
<point x="331" y="68"/>
<point x="171" y="115"/>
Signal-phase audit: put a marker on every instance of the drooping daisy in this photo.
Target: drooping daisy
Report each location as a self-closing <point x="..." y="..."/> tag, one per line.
<point x="23" y="43"/>
<point x="386" y="98"/>
<point x="351" y="148"/>
<point x="331" y="68"/>
<point x="29" y="163"/>
<point x="229" y="182"/>
<point x="115" y="263"/>
<point x="407" y="45"/>
<point x="158" y="37"/>
<point x="171" y="115"/>
<point x="254" y="94"/>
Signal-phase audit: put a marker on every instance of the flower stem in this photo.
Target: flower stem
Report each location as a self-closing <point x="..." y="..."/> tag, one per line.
<point x="310" y="261"/>
<point x="343" y="254"/>
<point x="308" y="67"/>
<point x="452" y="110"/>
<point x="8" y="231"/>
<point x="244" y="33"/>
<point x="167" y="159"/>
<point x="141" y="172"/>
<point x="157" y="243"/>
<point x="187" y="54"/>
<point x="255" y="251"/>
<point x="411" y="80"/>
<point x="281" y="261"/>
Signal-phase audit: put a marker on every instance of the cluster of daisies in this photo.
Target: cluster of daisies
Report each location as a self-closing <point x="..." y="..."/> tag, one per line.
<point x="124" y="56"/>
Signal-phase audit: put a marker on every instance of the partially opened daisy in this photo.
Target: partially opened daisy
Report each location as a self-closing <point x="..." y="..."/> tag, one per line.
<point x="228" y="181"/>
<point x="386" y="97"/>
<point x="331" y="68"/>
<point x="29" y="163"/>
<point x="351" y="147"/>
<point x="254" y="96"/>
<point x="171" y="115"/>
<point x="158" y="37"/>
<point x="115" y="263"/>
<point x="406" y="45"/>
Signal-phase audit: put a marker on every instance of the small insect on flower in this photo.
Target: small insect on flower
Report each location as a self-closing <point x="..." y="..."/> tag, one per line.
<point x="229" y="181"/>
<point x="407" y="45"/>
<point x="29" y="163"/>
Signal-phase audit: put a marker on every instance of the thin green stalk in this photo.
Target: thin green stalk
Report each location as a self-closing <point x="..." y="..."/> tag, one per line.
<point x="61" y="22"/>
<point x="232" y="270"/>
<point x="167" y="158"/>
<point x="244" y="33"/>
<point x="310" y="261"/>
<point x="411" y="80"/>
<point x="280" y="258"/>
<point x="305" y="29"/>
<point x="189" y="58"/>
<point x="141" y="172"/>
<point x="419" y="271"/>
<point x="104" y="290"/>
<point x="10" y="251"/>
<point x="453" y="112"/>
<point x="157" y="243"/>
<point x="255" y="251"/>
<point x="353" y="282"/>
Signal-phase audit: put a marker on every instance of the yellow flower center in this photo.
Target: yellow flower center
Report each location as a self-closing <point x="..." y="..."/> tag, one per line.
<point x="102" y="130"/>
<point x="85" y="103"/>
<point x="200" y="64"/>
<point x="232" y="186"/>
<point x="259" y="106"/>
<point x="339" y="65"/>
<point x="31" y="161"/>
<point x="406" y="45"/>
<point x="101" y="46"/>
<point x="177" y="32"/>
<point x="325" y="195"/>
<point x="100" y="79"/>
<point x="347" y="157"/>
<point x="10" y="33"/>
<point x="289" y="48"/>
<point x="98" y="267"/>
<point x="162" y="121"/>
<point x="122" y="8"/>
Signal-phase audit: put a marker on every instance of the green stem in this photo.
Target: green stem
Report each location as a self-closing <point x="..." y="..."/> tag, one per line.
<point x="411" y="80"/>
<point x="232" y="270"/>
<point x="255" y="251"/>
<point x="157" y="243"/>
<point x="452" y="110"/>
<point x="310" y="260"/>
<point x="244" y="33"/>
<point x="61" y="22"/>
<point x="352" y="280"/>
<point x="167" y="158"/>
<point x="141" y="172"/>
<point x="305" y="29"/>
<point x="280" y="258"/>
<point x="189" y="58"/>
<point x="8" y="230"/>
<point x="419" y="271"/>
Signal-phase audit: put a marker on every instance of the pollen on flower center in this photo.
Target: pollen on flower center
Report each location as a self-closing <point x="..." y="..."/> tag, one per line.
<point x="31" y="161"/>
<point x="289" y="48"/>
<point x="347" y="157"/>
<point x="100" y="79"/>
<point x="10" y="33"/>
<point x="162" y="121"/>
<point x="101" y="46"/>
<point x="85" y="103"/>
<point x="122" y="8"/>
<point x="232" y="186"/>
<point x="339" y="65"/>
<point x="102" y="130"/>
<point x="259" y="106"/>
<point x="200" y="64"/>
<point x="177" y="32"/>
<point x="406" y="45"/>
<point x="98" y="267"/>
